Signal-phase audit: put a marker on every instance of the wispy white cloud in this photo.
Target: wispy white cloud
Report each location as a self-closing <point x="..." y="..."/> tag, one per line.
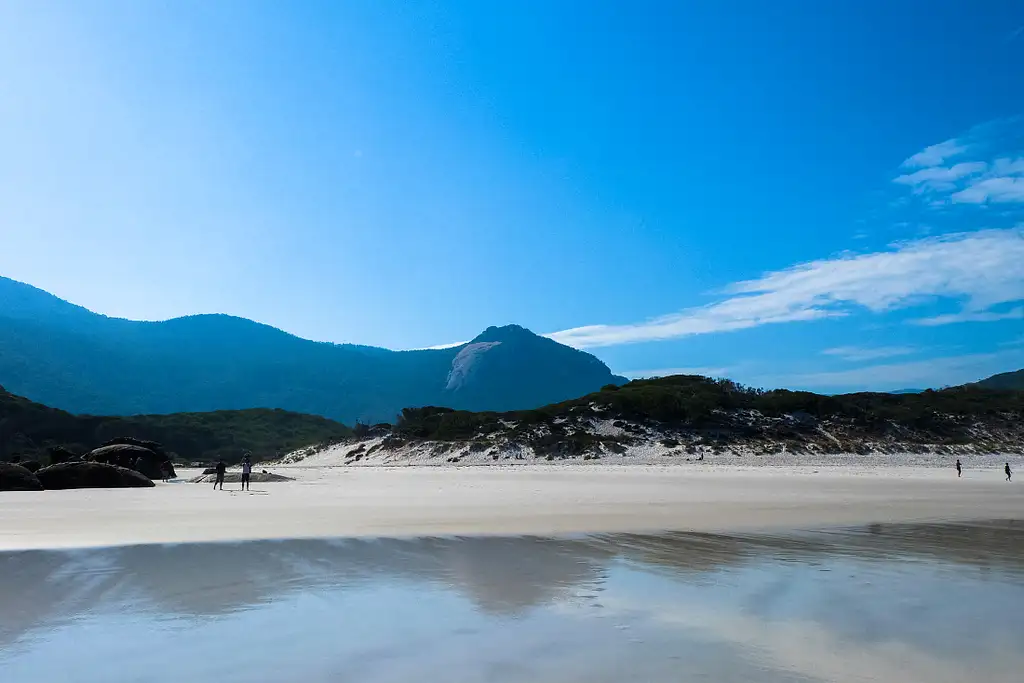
<point x="989" y="167"/>
<point x="1006" y="166"/>
<point x="859" y="353"/>
<point x="666" y="372"/>
<point x="1000" y="190"/>
<point x="439" y="347"/>
<point x="938" y="178"/>
<point x="982" y="269"/>
<point x="934" y="372"/>
<point x="972" y="317"/>
<point x="936" y="154"/>
<point x="727" y="316"/>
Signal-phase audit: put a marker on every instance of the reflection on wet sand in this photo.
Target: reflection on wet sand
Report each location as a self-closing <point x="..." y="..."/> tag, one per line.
<point x="856" y="604"/>
<point x="993" y="544"/>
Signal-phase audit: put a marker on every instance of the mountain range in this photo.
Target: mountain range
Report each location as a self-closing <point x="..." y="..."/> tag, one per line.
<point x="68" y="357"/>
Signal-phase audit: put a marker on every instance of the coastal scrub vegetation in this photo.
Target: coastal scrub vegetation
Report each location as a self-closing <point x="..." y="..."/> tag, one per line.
<point x="702" y="403"/>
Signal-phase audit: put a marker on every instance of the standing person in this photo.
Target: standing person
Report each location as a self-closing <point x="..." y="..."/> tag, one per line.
<point x="1008" y="472"/>
<point x="959" y="467"/>
<point x="221" y="469"/>
<point x="246" y="472"/>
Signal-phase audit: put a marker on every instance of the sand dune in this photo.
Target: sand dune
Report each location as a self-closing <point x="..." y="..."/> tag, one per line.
<point x="325" y="502"/>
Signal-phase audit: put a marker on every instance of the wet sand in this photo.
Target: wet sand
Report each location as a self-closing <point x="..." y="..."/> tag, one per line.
<point x="884" y="603"/>
<point x="345" y="502"/>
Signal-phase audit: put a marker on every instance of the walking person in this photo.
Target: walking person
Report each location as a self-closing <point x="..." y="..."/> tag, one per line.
<point x="959" y="468"/>
<point x="221" y="469"/>
<point x="1009" y="474"/>
<point x="246" y="472"/>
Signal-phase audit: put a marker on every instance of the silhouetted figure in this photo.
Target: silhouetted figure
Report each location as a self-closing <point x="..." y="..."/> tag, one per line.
<point x="1009" y="474"/>
<point x="165" y="470"/>
<point x="221" y="469"/>
<point x="959" y="468"/>
<point x="246" y="472"/>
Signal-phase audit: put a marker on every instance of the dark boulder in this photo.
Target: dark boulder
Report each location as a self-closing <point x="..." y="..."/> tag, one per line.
<point x="139" y="458"/>
<point x="14" y="477"/>
<point x="152" y="468"/>
<point x="31" y="465"/>
<point x="59" y="454"/>
<point x="154" y="446"/>
<point x="122" y="455"/>
<point x="90" y="475"/>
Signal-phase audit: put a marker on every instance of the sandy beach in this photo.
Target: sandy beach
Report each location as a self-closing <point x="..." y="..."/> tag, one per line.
<point x="413" y="501"/>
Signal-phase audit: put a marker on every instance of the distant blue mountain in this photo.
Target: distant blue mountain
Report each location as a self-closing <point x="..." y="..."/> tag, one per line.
<point x="68" y="357"/>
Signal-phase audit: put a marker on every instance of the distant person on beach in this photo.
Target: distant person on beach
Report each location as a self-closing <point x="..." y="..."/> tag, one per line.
<point x="221" y="469"/>
<point x="959" y="467"/>
<point x="246" y="472"/>
<point x="165" y="470"/>
<point x="1008" y="472"/>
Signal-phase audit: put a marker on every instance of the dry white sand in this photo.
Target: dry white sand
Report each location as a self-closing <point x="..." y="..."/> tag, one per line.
<point x="409" y="501"/>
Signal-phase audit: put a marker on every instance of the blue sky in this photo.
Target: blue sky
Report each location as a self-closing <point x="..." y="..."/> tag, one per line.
<point x="823" y="195"/>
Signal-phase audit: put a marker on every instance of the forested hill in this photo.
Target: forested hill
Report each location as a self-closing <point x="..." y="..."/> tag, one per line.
<point x="1004" y="380"/>
<point x="29" y="429"/>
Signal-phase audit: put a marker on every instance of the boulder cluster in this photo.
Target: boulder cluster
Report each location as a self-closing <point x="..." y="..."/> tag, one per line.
<point x="120" y="463"/>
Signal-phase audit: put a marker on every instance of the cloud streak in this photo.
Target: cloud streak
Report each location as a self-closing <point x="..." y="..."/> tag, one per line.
<point x="933" y="373"/>
<point x="857" y="353"/>
<point x="988" y="168"/>
<point x="936" y="154"/>
<point x="939" y="177"/>
<point x="972" y="317"/>
<point x="1003" y="189"/>
<point x="439" y="347"/>
<point x="980" y="269"/>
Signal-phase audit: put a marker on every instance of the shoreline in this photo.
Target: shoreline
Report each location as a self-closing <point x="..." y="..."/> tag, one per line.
<point x="526" y="499"/>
